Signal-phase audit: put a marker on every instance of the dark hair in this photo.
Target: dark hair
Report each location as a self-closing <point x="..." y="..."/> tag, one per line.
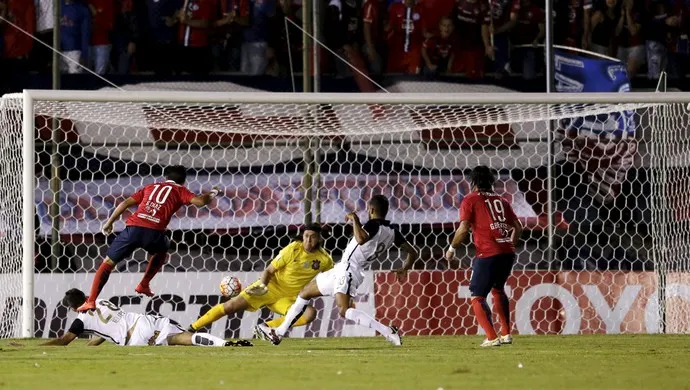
<point x="380" y="204"/>
<point x="315" y="227"/>
<point x="74" y="298"/>
<point x="483" y="178"/>
<point x="176" y="173"/>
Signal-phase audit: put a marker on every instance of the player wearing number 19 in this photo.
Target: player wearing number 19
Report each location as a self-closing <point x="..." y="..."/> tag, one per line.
<point x="496" y="230"/>
<point x="145" y="228"/>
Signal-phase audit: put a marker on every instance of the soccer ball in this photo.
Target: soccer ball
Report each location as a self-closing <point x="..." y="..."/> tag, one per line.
<point x="230" y="286"/>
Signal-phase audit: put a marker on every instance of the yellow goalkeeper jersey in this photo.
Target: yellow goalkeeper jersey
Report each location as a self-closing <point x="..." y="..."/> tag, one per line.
<point x="295" y="267"/>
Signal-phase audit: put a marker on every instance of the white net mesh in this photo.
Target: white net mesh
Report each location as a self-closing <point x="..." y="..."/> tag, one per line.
<point x="10" y="216"/>
<point x="598" y="275"/>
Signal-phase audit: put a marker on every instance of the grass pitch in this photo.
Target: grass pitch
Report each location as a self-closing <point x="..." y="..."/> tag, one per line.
<point x="547" y="362"/>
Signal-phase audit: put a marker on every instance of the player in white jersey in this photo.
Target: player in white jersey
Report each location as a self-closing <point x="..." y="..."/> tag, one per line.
<point x="107" y="322"/>
<point x="368" y="243"/>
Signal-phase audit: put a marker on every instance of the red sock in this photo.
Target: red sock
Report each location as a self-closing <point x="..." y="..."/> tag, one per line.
<point x="100" y="280"/>
<point x="155" y="264"/>
<point x="483" y="315"/>
<point x="502" y="308"/>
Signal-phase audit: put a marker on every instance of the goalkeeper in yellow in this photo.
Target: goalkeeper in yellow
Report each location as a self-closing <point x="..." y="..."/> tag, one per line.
<point x="295" y="266"/>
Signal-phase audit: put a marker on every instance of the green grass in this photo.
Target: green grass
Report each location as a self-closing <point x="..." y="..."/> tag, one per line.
<point x="548" y="362"/>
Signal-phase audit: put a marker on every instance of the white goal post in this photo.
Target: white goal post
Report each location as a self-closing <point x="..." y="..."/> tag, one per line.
<point x="457" y="132"/>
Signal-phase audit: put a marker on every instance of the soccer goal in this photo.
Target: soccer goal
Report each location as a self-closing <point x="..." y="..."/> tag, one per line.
<point x="599" y="180"/>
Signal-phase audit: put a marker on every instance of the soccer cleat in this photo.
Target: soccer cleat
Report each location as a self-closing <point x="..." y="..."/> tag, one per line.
<point x="394" y="338"/>
<point x="270" y="335"/>
<point x="507" y="339"/>
<point x="88" y="305"/>
<point x="146" y="290"/>
<point x="260" y="332"/>
<point x="491" y="343"/>
<point x="239" y="343"/>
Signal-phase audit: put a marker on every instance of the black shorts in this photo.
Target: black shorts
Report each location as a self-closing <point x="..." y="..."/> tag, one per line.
<point x="135" y="237"/>
<point x="490" y="272"/>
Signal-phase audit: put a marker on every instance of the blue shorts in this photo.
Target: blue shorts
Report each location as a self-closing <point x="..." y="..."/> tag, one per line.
<point x="490" y="272"/>
<point x="135" y="237"/>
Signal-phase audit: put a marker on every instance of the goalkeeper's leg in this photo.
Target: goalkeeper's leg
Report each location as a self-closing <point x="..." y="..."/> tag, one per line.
<point x="237" y="304"/>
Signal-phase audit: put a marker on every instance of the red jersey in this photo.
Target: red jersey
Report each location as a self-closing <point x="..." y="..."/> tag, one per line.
<point x="17" y="43"/>
<point x="102" y="21"/>
<point x="469" y="18"/>
<point x="158" y="203"/>
<point x="439" y="49"/>
<point x="198" y="10"/>
<point x="491" y="218"/>
<point x="406" y="27"/>
<point x="527" y="28"/>
<point x="371" y="14"/>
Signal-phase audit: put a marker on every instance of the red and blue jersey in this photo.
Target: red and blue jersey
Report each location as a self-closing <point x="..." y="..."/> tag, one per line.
<point x="491" y="219"/>
<point x="158" y="203"/>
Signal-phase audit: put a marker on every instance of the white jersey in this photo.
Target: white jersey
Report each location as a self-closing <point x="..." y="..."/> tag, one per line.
<point x="107" y="321"/>
<point x="381" y="238"/>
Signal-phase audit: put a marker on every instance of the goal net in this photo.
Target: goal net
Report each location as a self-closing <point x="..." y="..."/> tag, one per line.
<point x="599" y="181"/>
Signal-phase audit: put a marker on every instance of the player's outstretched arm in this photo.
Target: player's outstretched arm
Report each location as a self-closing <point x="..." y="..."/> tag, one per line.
<point x="64" y="340"/>
<point x="108" y="227"/>
<point x="205" y="198"/>
<point x="96" y="341"/>
<point x="361" y="235"/>
<point x="458" y="239"/>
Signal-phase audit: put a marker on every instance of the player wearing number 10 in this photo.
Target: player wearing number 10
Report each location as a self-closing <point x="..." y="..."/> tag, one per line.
<point x="496" y="230"/>
<point x="145" y="228"/>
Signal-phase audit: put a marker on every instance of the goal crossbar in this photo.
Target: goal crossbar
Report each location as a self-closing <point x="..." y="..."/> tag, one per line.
<point x="357" y="98"/>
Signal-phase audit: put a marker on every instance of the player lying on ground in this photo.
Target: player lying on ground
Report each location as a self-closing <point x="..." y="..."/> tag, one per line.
<point x="294" y="267"/>
<point x="145" y="228"/>
<point x="109" y="323"/>
<point x="369" y="242"/>
<point x="496" y="231"/>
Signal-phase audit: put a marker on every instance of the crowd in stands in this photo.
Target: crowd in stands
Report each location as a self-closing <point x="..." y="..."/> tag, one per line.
<point x="418" y="37"/>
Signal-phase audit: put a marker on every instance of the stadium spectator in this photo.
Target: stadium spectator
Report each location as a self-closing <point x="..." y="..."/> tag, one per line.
<point x="254" y="59"/>
<point x="502" y="19"/>
<point x="679" y="46"/>
<point x="15" y="45"/>
<point x="221" y="50"/>
<point x="196" y="23"/>
<point x="343" y="33"/>
<point x="471" y="23"/>
<point x="75" y="36"/>
<point x="160" y="15"/>
<point x="125" y="35"/>
<point x="41" y="55"/>
<point x="527" y="34"/>
<point x="438" y="52"/>
<point x="102" y="19"/>
<point x="631" y="50"/>
<point x="405" y="37"/>
<point x="373" y="31"/>
<point x="279" y="52"/>
<point x="656" y="37"/>
<point x="572" y="23"/>
<point x="603" y="27"/>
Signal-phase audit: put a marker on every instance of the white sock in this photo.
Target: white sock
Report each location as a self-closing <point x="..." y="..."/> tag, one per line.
<point x="364" y="319"/>
<point x="295" y="311"/>
<point x="207" y="340"/>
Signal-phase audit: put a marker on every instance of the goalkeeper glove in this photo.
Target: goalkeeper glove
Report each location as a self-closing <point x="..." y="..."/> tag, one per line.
<point x="214" y="192"/>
